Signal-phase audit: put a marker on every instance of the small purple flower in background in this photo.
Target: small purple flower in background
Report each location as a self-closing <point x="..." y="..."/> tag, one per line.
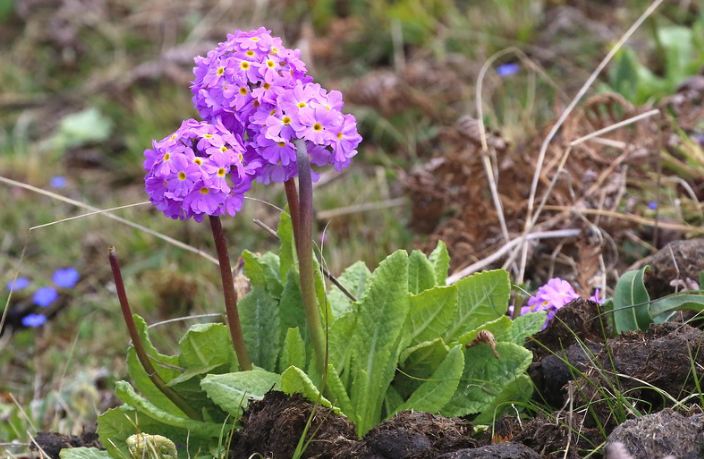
<point x="33" y="320"/>
<point x="652" y="205"/>
<point x="44" y="296"/>
<point x="507" y="70"/>
<point x="18" y="284"/>
<point x="699" y="138"/>
<point x="66" y="277"/>
<point x="552" y="296"/>
<point x="597" y="297"/>
<point x="58" y="181"/>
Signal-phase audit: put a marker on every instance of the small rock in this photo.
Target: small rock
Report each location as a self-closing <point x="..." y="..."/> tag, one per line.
<point x="678" y="261"/>
<point x="661" y="434"/>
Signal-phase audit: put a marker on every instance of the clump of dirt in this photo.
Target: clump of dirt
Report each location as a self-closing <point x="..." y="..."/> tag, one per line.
<point x="675" y="267"/>
<point x="662" y="357"/>
<point x="52" y="443"/>
<point x="498" y="451"/>
<point x="661" y="434"/>
<point x="417" y="435"/>
<point x="273" y="427"/>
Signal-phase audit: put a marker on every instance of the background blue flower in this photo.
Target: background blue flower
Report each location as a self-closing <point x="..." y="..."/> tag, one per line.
<point x="66" y="277"/>
<point x="45" y="296"/>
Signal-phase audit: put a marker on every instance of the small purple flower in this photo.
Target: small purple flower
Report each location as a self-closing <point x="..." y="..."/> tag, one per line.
<point x="597" y="297"/>
<point x="45" y="296"/>
<point x="208" y="171"/>
<point x="66" y="277"/>
<point x="33" y="320"/>
<point x="699" y="138"/>
<point x="550" y="297"/>
<point x="509" y="69"/>
<point x="652" y="205"/>
<point x="18" y="284"/>
<point x="58" y="181"/>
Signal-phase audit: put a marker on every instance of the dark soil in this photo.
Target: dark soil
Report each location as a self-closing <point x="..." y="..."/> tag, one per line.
<point x="498" y="451"/>
<point x="675" y="267"/>
<point x="52" y="443"/>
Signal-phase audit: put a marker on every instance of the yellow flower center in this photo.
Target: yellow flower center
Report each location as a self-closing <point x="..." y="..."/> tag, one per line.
<point x="204" y="190"/>
<point x="266" y="86"/>
<point x="281" y="144"/>
<point x="250" y="53"/>
<point x="274" y="50"/>
<point x="207" y="136"/>
<point x="167" y="156"/>
<point x="182" y="176"/>
<point x="223" y="148"/>
<point x="244" y="65"/>
<point x="220" y="71"/>
<point x="221" y="172"/>
<point x="254" y="39"/>
<point x="198" y="161"/>
<point x="271" y="64"/>
<point x="301" y="104"/>
<point x="286" y="120"/>
<point x="317" y="127"/>
<point x="243" y="91"/>
<point x="240" y="158"/>
<point x="339" y="135"/>
<point x="173" y="137"/>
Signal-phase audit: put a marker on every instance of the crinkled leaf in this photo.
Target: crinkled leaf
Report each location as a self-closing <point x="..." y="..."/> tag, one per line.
<point x="440" y="259"/>
<point x="296" y="381"/>
<point x="341" y="332"/>
<point x="207" y="346"/>
<point x="263" y="271"/>
<point x="126" y="393"/>
<point x="631" y="302"/>
<point x="291" y="311"/>
<point x="339" y="393"/>
<point x="83" y="453"/>
<point x="517" y="393"/>
<point x="381" y="317"/>
<point x="431" y="313"/>
<point x="392" y="401"/>
<point x="499" y="328"/>
<point x="355" y="279"/>
<point x="294" y="350"/>
<point x="287" y="247"/>
<point x="481" y="298"/>
<point x="485" y="377"/>
<point x="232" y="391"/>
<point x="421" y="275"/>
<point x="419" y="362"/>
<point x="525" y="326"/>
<point x="259" y="314"/>
<point x="436" y="391"/>
<point x="146" y="387"/>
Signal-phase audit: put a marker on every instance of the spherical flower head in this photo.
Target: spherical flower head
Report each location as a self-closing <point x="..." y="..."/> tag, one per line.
<point x="66" y="277"/>
<point x="309" y="113"/>
<point x="240" y="75"/>
<point x="45" y="296"/>
<point x="201" y="169"/>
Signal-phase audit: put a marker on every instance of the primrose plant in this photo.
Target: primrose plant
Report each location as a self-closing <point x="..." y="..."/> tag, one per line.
<point x="375" y="344"/>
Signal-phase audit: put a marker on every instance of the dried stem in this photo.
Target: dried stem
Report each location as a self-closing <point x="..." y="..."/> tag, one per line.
<point x="304" y="247"/>
<point x="139" y="346"/>
<point x="228" y="287"/>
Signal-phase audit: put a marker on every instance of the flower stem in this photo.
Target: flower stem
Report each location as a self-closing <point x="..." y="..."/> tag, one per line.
<point x="304" y="247"/>
<point x="228" y="286"/>
<point x="171" y="394"/>
<point x="293" y="207"/>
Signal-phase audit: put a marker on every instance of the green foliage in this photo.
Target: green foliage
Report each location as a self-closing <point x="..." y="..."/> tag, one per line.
<point x="406" y="343"/>
<point x="83" y="453"/>
<point x="680" y="53"/>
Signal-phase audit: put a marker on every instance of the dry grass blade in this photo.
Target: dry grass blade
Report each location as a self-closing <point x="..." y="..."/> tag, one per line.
<point x="563" y="117"/>
<point x="76" y="217"/>
<point x="366" y="207"/>
<point x="106" y="214"/>
<point x="632" y="218"/>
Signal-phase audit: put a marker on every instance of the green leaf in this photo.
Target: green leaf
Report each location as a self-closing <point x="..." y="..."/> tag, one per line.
<point x="126" y="393"/>
<point x="525" y="326"/>
<point x="287" y="248"/>
<point x="481" y="298"/>
<point x="631" y="302"/>
<point x="518" y="392"/>
<point x="440" y="259"/>
<point x="83" y="453"/>
<point x="662" y="309"/>
<point x="156" y="356"/>
<point x="381" y="316"/>
<point x="296" y="381"/>
<point x="207" y="345"/>
<point x="80" y="128"/>
<point x="259" y="313"/>
<point x="679" y="52"/>
<point x="341" y="332"/>
<point x="117" y="424"/>
<point x="437" y="391"/>
<point x="499" y="328"/>
<point x="146" y="387"/>
<point x="294" y="350"/>
<point x="232" y="391"/>
<point x="419" y="362"/>
<point x="431" y="313"/>
<point x="485" y="377"/>
<point x="421" y="275"/>
<point x="263" y="271"/>
<point x="392" y="401"/>
<point x="339" y="393"/>
<point x="291" y="310"/>
<point x="355" y="279"/>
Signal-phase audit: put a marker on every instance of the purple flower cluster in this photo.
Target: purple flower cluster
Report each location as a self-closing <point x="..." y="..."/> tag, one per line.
<point x="257" y="101"/>
<point x="201" y="169"/>
<point x="552" y="296"/>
